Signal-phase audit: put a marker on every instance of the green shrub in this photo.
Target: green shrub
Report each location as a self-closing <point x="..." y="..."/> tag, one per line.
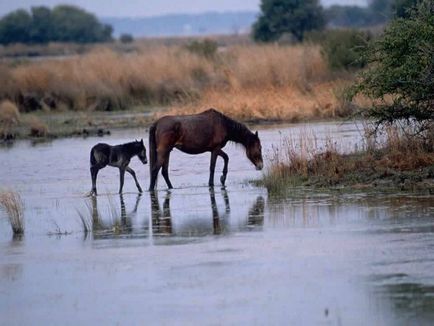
<point x="400" y="78"/>
<point x="342" y="48"/>
<point x="206" y="48"/>
<point x="126" y="38"/>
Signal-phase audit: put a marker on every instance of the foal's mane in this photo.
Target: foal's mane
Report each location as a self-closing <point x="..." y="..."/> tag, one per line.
<point x="132" y="146"/>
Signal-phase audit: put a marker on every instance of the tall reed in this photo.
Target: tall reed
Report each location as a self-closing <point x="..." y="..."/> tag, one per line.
<point x="12" y="204"/>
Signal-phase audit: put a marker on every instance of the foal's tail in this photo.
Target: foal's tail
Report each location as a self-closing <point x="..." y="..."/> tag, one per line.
<point x="92" y="157"/>
<point x="152" y="147"/>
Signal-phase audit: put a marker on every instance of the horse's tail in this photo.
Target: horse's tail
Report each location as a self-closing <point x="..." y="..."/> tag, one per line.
<point x="152" y="146"/>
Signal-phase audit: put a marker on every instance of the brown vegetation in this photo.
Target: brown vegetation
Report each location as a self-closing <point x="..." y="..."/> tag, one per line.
<point x="247" y="82"/>
<point x="13" y="206"/>
<point x="9" y="118"/>
<point x="400" y="161"/>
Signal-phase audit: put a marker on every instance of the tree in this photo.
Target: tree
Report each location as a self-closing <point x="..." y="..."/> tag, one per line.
<point x="76" y="25"/>
<point x="401" y="8"/>
<point x="41" y="30"/>
<point x="15" y="27"/>
<point x="279" y="17"/>
<point x="402" y="67"/>
<point x="62" y="24"/>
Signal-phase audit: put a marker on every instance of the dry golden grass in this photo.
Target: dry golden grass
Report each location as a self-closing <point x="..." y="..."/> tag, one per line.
<point x="37" y="127"/>
<point x="249" y="82"/>
<point x="13" y="206"/>
<point x="9" y="117"/>
<point x="304" y="161"/>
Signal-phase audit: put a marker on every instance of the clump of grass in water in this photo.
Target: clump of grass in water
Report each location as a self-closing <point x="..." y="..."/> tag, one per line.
<point x="13" y="205"/>
<point x="86" y="219"/>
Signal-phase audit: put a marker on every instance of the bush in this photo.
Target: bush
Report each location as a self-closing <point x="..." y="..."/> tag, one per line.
<point x="206" y="48"/>
<point x="126" y="38"/>
<point x="342" y="48"/>
<point x="402" y="69"/>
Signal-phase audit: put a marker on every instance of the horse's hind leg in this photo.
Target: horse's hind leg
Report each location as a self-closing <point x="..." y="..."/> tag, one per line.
<point x="131" y="171"/>
<point x="225" y="167"/>
<point x="165" y="171"/>
<point x="93" y="172"/>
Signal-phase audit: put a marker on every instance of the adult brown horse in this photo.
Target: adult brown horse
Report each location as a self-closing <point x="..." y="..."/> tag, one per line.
<point x="208" y="131"/>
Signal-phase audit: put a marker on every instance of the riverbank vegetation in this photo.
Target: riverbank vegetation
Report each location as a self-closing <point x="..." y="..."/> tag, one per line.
<point x="399" y="147"/>
<point x="388" y="159"/>
<point x="250" y="82"/>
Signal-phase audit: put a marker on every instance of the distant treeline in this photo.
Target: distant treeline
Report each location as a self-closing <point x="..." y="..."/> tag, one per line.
<point x="63" y="23"/>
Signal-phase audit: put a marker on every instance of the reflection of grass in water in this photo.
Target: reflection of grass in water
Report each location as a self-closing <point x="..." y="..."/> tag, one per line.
<point x="13" y="205"/>
<point x="114" y="216"/>
<point x="86" y="218"/>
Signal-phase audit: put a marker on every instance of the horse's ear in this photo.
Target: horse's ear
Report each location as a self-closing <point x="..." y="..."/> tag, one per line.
<point x="256" y="134"/>
<point x="141" y="140"/>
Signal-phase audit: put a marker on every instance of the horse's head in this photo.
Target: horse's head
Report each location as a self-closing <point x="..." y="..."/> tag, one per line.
<point x="254" y="151"/>
<point x="142" y="152"/>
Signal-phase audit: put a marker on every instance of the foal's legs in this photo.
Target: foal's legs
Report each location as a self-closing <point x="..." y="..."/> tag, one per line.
<point x="94" y="172"/>
<point x="131" y="171"/>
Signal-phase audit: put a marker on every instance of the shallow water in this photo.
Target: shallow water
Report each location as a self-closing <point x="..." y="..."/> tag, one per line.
<point x="198" y="256"/>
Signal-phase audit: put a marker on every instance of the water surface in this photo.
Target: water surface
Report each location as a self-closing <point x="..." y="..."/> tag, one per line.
<point x="195" y="255"/>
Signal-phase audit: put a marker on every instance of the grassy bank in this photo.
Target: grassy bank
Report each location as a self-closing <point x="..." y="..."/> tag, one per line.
<point x="249" y="82"/>
<point x="397" y="161"/>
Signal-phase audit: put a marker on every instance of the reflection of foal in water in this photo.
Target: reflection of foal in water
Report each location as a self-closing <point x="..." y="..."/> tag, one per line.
<point x="208" y="131"/>
<point x="118" y="156"/>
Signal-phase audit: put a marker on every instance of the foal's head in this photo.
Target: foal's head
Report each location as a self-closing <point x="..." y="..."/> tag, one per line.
<point x="254" y="151"/>
<point x="141" y="151"/>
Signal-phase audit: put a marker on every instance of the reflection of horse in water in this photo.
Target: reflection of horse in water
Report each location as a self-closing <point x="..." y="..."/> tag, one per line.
<point x="117" y="223"/>
<point x="256" y="213"/>
<point x="162" y="218"/>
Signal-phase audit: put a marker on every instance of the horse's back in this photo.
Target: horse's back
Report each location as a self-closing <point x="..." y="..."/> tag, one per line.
<point x="193" y="134"/>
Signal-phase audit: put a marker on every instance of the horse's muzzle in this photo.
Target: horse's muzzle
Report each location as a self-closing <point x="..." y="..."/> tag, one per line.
<point x="259" y="166"/>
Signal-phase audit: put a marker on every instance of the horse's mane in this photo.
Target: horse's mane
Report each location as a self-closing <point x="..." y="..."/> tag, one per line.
<point x="238" y="132"/>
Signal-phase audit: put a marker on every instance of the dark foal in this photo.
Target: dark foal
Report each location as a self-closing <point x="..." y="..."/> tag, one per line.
<point x="118" y="156"/>
<point x="208" y="131"/>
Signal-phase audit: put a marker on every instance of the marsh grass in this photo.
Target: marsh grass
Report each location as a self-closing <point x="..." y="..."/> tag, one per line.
<point x="250" y="82"/>
<point x="9" y="118"/>
<point x="12" y="204"/>
<point x="394" y="159"/>
<point x="86" y="218"/>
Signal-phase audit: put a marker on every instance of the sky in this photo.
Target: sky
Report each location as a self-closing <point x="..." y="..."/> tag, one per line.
<point x="141" y="8"/>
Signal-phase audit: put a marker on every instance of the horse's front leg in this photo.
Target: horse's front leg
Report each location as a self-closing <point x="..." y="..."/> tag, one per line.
<point x="121" y="178"/>
<point x="212" y="168"/>
<point x="131" y="171"/>
<point x="225" y="167"/>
